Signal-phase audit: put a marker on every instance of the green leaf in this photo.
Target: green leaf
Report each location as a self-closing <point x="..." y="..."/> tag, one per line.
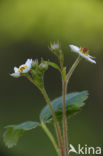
<point x="74" y="102"/>
<point x="54" y="65"/>
<point x="14" y="132"/>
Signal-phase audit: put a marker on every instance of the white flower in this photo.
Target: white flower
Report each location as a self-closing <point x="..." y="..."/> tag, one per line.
<point x="25" y="68"/>
<point x="83" y="52"/>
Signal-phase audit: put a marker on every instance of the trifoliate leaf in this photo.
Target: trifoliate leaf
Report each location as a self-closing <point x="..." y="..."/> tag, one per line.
<point x="14" y="132"/>
<point x="74" y="102"/>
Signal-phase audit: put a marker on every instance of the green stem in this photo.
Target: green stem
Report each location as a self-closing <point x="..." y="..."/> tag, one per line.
<point x="64" y="90"/>
<point x="55" y="122"/>
<point x="73" y="68"/>
<point x="65" y="134"/>
<point x="43" y="125"/>
<point x="59" y="137"/>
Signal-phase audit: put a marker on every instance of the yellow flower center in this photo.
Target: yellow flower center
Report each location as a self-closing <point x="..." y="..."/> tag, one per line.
<point x="85" y="51"/>
<point x="22" y="68"/>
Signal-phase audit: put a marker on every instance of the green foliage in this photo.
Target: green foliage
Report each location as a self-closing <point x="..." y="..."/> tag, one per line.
<point x="52" y="64"/>
<point x="14" y="132"/>
<point x="74" y="102"/>
<point x="38" y="71"/>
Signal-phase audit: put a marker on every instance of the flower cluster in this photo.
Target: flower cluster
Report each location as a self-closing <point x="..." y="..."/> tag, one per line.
<point x="55" y="48"/>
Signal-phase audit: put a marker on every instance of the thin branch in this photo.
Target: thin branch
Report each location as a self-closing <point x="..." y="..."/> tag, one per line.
<point x="47" y="131"/>
<point x="73" y="68"/>
<point x="65" y="134"/>
<point x="59" y="137"/>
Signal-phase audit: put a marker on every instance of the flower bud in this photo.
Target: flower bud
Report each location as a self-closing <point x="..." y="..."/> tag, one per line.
<point x="55" y="48"/>
<point x="35" y="64"/>
<point x="43" y="67"/>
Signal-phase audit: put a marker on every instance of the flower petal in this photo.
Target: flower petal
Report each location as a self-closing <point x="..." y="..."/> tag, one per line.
<point x="28" y="62"/>
<point x="16" y="75"/>
<point x="74" y="48"/>
<point x="87" y="57"/>
<point x="16" y="69"/>
<point x="91" y="56"/>
<point x="91" y="60"/>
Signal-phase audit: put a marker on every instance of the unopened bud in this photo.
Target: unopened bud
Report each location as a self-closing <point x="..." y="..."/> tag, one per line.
<point x="43" y="66"/>
<point x="35" y="64"/>
<point x="55" y="48"/>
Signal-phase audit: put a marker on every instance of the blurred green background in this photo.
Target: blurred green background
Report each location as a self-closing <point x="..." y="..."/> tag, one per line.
<point x="26" y="28"/>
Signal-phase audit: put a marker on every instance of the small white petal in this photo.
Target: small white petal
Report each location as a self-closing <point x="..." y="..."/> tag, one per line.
<point x="74" y="48"/>
<point x="16" y="75"/>
<point x="87" y="57"/>
<point x="16" y="69"/>
<point x="91" y="56"/>
<point x="91" y="60"/>
<point x="28" y="62"/>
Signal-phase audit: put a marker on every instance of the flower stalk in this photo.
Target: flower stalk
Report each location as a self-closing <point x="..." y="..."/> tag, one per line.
<point x="55" y="122"/>
<point x="64" y="91"/>
<point x="43" y="125"/>
<point x="73" y="68"/>
<point x="65" y="134"/>
<point x="58" y="132"/>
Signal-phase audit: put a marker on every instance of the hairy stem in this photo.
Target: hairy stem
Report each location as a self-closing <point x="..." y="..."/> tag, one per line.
<point x="59" y="137"/>
<point x="73" y="68"/>
<point x="64" y="90"/>
<point x="55" y="122"/>
<point x="43" y="125"/>
<point x="65" y="134"/>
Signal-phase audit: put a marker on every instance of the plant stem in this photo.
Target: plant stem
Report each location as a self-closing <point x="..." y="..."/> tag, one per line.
<point x="59" y="137"/>
<point x="55" y="122"/>
<point x="65" y="134"/>
<point x="73" y="68"/>
<point x="64" y="90"/>
<point x="43" y="125"/>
